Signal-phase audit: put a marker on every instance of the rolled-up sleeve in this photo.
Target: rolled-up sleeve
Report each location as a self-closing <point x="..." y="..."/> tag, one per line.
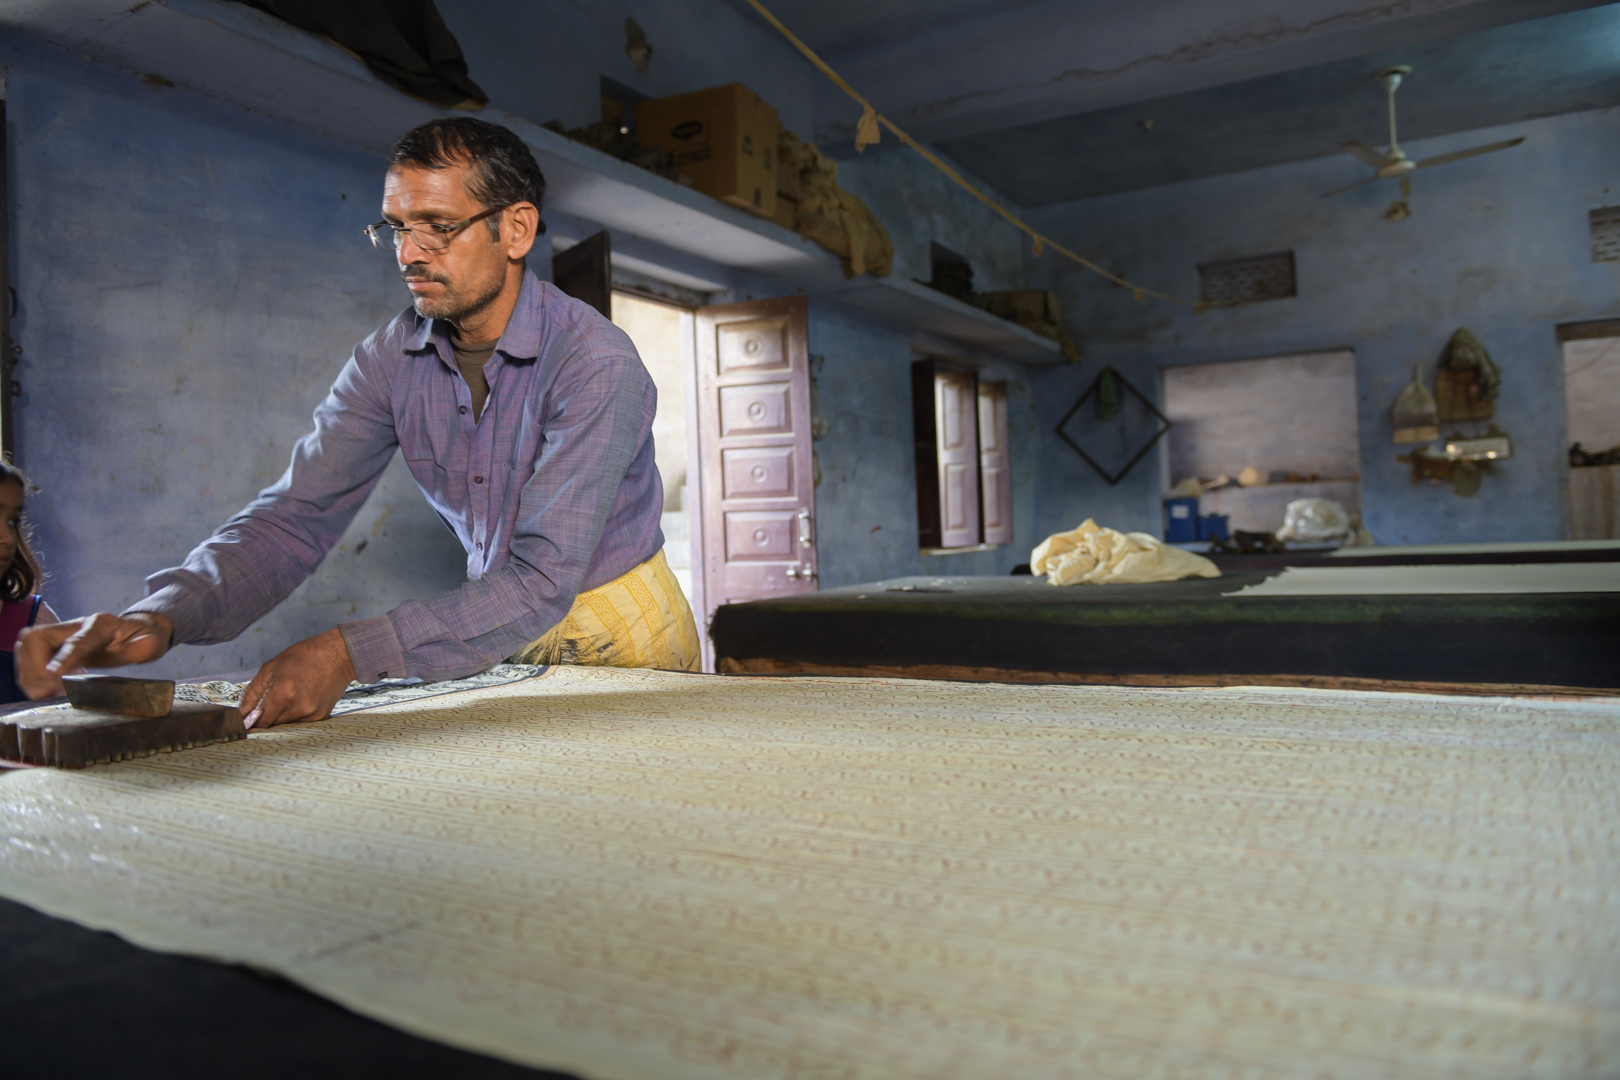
<point x="597" y="423"/>
<point x="257" y="558"/>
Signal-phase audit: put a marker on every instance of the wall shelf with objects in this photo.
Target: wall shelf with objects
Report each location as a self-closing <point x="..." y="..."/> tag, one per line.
<point x="247" y="58"/>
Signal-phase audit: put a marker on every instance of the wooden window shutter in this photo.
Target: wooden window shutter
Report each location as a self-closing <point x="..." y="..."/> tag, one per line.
<point x="927" y="454"/>
<point x="585" y="272"/>
<point x="995" y="463"/>
<point x="946" y="418"/>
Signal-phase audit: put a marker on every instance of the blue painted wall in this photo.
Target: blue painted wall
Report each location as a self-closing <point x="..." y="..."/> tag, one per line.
<point x="191" y="278"/>
<point x="919" y="205"/>
<point x="866" y="505"/>
<point x="1498" y="244"/>
<point x="544" y="59"/>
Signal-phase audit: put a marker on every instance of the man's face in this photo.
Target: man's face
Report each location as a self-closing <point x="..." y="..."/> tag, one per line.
<point x="466" y="275"/>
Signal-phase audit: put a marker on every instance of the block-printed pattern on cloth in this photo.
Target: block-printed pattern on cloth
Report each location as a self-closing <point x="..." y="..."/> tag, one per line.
<point x="638" y="874"/>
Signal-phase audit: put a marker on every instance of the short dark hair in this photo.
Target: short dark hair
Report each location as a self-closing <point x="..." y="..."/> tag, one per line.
<point x="504" y="170"/>
<point x="18" y="580"/>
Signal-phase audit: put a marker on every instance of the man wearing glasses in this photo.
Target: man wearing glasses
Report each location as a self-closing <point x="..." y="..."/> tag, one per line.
<point x="523" y="414"/>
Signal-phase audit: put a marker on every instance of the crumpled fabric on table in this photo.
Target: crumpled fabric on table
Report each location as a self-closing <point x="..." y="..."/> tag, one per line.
<point x="1093" y="555"/>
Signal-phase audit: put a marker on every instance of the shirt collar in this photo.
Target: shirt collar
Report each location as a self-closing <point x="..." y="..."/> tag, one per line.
<point x="519" y="341"/>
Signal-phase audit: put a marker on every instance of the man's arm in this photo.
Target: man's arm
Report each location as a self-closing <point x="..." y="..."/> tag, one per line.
<point x="598" y="422"/>
<point x="252" y="562"/>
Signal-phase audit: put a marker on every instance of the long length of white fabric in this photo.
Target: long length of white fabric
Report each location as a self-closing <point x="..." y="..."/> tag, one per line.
<point x="635" y="875"/>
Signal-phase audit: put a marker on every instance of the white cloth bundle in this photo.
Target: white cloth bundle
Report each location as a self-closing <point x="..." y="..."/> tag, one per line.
<point x="1093" y="555"/>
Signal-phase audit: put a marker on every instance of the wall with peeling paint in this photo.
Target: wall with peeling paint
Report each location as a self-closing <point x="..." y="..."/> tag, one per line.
<point x="1499" y="244"/>
<point x="867" y="500"/>
<point x="920" y="205"/>
<point x="866" y="504"/>
<point x="191" y="276"/>
<point x="543" y="60"/>
<point x="190" y="279"/>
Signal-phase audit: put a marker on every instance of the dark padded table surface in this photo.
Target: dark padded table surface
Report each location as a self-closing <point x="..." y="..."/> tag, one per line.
<point x="80" y="1003"/>
<point x="1185" y="628"/>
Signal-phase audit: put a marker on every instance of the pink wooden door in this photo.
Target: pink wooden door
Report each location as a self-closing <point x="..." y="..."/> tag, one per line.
<point x="995" y="463"/>
<point x="758" y="494"/>
<point x="956" y="414"/>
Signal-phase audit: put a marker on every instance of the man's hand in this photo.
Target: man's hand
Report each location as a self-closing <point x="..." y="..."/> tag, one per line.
<point x="302" y="683"/>
<point x="46" y="653"/>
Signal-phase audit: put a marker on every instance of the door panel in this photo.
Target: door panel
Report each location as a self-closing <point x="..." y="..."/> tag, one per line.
<point x="995" y="463"/>
<point x="585" y="272"/>
<point x="958" y="501"/>
<point x="759" y="345"/>
<point x="950" y="392"/>
<point x="761" y="409"/>
<point x="753" y="373"/>
<point x="760" y="472"/>
<point x="956" y="422"/>
<point x="755" y="535"/>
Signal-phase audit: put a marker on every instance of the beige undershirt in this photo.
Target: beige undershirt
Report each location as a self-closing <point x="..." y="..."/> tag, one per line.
<point x="471" y="358"/>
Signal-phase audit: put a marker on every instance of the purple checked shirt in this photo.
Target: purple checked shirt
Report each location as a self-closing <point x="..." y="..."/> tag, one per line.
<point x="553" y="491"/>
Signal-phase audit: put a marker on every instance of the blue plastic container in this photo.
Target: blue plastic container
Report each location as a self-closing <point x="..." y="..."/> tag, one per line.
<point x="1180" y="521"/>
<point x="1213" y="527"/>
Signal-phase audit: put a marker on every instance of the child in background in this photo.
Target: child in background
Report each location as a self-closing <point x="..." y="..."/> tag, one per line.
<point x="19" y="577"/>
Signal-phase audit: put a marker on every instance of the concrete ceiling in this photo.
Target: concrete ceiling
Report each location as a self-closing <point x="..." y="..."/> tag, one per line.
<point x="841" y="27"/>
<point x="1565" y="63"/>
<point x="1042" y="98"/>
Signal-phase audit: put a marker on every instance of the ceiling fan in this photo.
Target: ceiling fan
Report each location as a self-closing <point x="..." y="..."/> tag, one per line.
<point x="1394" y="163"/>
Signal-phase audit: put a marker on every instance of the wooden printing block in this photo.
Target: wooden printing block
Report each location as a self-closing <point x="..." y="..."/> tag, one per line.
<point x="115" y="693"/>
<point x="8" y="731"/>
<point x="75" y="738"/>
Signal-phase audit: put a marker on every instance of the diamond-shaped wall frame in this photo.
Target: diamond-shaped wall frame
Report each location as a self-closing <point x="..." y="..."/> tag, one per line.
<point x="1105" y="389"/>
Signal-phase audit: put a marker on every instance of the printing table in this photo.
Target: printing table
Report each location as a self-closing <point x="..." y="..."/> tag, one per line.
<point x="643" y="875"/>
<point x="1182" y="633"/>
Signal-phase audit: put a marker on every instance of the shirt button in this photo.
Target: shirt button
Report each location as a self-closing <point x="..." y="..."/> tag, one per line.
<point x="478" y="479"/>
<point x="480" y="545"/>
<point x="464" y="410"/>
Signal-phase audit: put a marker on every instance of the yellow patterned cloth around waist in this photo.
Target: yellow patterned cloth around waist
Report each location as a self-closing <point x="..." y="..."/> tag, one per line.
<point x="640" y="619"/>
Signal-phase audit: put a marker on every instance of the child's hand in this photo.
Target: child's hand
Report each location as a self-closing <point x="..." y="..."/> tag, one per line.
<point x="46" y="653"/>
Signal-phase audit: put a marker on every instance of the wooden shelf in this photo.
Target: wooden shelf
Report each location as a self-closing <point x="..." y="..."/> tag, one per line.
<point x="247" y="58"/>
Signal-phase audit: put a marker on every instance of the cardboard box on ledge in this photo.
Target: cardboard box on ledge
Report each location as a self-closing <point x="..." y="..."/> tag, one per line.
<point x="724" y="139"/>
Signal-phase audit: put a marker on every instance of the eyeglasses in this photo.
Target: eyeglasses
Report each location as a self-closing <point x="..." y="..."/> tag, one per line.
<point x="429" y="236"/>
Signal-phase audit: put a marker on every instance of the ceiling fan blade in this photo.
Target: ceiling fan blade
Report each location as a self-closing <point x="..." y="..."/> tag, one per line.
<point x="1339" y="191"/>
<point x="1365" y="153"/>
<point x="1447" y="159"/>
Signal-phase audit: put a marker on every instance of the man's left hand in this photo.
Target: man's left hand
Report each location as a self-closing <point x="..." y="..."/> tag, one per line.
<point x="302" y="683"/>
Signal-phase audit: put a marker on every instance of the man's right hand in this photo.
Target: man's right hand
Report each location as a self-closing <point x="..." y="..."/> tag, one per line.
<point x="46" y="653"/>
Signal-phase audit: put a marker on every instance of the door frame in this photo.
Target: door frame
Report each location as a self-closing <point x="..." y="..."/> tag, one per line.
<point x="695" y="493"/>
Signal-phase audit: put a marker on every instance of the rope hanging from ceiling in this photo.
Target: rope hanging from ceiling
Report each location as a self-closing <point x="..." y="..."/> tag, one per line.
<point x="868" y="132"/>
